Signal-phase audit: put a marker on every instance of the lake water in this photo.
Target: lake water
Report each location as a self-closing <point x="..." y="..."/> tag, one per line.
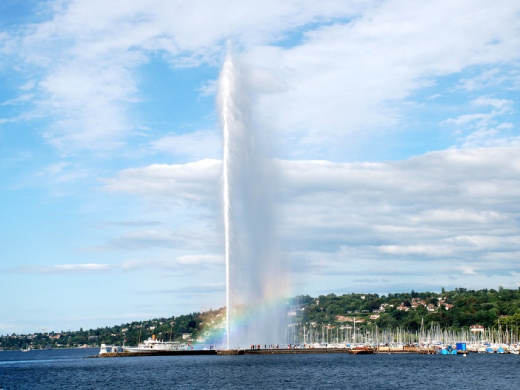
<point x="67" y="369"/>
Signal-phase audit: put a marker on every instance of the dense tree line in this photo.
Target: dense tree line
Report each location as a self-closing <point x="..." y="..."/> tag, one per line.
<point x="487" y="307"/>
<point x="170" y="328"/>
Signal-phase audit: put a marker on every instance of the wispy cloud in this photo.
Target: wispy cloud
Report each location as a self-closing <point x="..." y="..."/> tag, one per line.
<point x="189" y="290"/>
<point x="87" y="67"/>
<point x="178" y="263"/>
<point x="133" y="223"/>
<point x="174" y="263"/>
<point x="23" y="98"/>
<point x="147" y="238"/>
<point x="195" y="181"/>
<point x="64" y="269"/>
<point x="88" y="71"/>
<point x="54" y="169"/>
<point x="195" y="145"/>
<point x="364" y="93"/>
<point x="485" y="129"/>
<point x="490" y="78"/>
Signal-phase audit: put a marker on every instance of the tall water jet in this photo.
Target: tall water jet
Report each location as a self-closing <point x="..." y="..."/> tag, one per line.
<point x="254" y="272"/>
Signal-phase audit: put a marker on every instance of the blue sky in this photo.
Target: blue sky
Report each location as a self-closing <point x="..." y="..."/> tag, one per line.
<point x="395" y="127"/>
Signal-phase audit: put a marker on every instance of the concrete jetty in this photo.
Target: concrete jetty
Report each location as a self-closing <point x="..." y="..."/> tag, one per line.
<point x="294" y="351"/>
<point x="189" y="352"/>
<point x="231" y="352"/>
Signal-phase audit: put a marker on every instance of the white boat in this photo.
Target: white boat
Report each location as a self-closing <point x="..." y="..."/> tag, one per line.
<point x="152" y="345"/>
<point x="108" y="349"/>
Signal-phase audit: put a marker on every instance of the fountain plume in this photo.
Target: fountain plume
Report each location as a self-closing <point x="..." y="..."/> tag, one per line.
<point x="254" y="270"/>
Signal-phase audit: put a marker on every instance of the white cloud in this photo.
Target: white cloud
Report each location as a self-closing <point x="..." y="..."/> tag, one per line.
<point x="175" y="263"/>
<point x="65" y="269"/>
<point x="88" y="53"/>
<point x="209" y="88"/>
<point x="146" y="239"/>
<point x="61" y="178"/>
<point x="486" y="128"/>
<point x="422" y="250"/>
<point x="194" y="145"/>
<point x="467" y="270"/>
<point x="90" y="104"/>
<point x="453" y="207"/>
<point x="469" y="118"/>
<point x="347" y="78"/>
<point x="55" y="168"/>
<point x="200" y="259"/>
<point x="23" y="98"/>
<point x="500" y="105"/>
<point x="493" y="77"/>
<point x="196" y="181"/>
<point x="192" y="290"/>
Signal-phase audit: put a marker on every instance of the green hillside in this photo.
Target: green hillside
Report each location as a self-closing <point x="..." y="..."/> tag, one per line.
<point x="452" y="310"/>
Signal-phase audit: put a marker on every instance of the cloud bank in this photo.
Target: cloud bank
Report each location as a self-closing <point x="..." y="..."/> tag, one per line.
<point x="454" y="212"/>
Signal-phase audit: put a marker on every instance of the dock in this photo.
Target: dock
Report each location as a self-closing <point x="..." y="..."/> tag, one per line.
<point x="278" y="351"/>
<point x="231" y="352"/>
<point x="189" y="352"/>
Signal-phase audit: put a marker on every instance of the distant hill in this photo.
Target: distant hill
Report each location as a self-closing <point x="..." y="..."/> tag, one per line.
<point x="450" y="309"/>
<point x="454" y="310"/>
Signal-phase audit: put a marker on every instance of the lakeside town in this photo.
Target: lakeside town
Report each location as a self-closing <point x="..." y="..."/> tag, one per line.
<point x="481" y="319"/>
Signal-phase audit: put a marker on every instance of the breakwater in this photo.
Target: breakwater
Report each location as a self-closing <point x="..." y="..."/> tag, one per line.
<point x="190" y="352"/>
<point x="271" y="351"/>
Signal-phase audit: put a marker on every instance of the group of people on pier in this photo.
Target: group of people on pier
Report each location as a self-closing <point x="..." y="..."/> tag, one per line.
<point x="254" y="347"/>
